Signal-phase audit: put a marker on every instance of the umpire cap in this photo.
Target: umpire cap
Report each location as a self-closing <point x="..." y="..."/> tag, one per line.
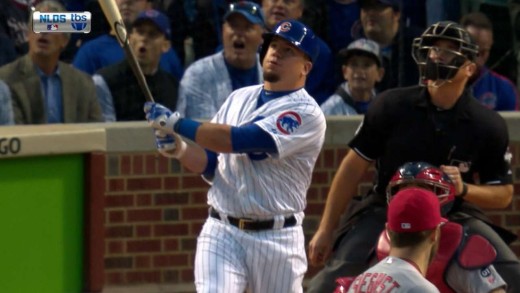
<point x="295" y="33"/>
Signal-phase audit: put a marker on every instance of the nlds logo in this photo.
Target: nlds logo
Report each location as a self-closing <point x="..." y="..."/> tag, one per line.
<point x="64" y="22"/>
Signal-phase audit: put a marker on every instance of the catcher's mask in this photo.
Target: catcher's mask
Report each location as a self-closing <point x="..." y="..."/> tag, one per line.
<point x="423" y="175"/>
<point x="439" y="64"/>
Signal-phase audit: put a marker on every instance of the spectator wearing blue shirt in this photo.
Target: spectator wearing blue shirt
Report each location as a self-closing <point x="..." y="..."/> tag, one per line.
<point x="362" y="69"/>
<point x="208" y="81"/>
<point x="320" y="83"/>
<point x="493" y="90"/>
<point x="105" y="49"/>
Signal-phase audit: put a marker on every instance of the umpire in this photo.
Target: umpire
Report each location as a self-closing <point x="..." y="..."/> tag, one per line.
<point x="438" y="122"/>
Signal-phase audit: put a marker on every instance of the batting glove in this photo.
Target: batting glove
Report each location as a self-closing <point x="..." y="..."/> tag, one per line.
<point x="170" y="145"/>
<point x="160" y="117"/>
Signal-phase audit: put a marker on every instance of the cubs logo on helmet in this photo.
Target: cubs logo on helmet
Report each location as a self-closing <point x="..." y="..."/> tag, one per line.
<point x="288" y="122"/>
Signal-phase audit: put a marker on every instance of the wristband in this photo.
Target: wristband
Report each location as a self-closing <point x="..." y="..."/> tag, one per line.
<point x="464" y="190"/>
<point x="187" y="128"/>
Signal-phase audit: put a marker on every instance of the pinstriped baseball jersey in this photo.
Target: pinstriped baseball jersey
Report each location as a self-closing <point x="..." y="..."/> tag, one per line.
<point x="262" y="186"/>
<point x="392" y="275"/>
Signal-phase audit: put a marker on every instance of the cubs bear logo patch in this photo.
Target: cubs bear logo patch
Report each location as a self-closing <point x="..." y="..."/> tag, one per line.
<point x="288" y="122"/>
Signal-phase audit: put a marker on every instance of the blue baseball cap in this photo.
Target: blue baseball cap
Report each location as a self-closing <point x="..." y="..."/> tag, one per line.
<point x="161" y="21"/>
<point x="395" y="4"/>
<point x="250" y="10"/>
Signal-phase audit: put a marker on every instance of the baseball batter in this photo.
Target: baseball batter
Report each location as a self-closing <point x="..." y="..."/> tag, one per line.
<point x="259" y="152"/>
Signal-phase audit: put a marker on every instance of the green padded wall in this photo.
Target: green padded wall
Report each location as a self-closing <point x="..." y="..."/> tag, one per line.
<point x="41" y="224"/>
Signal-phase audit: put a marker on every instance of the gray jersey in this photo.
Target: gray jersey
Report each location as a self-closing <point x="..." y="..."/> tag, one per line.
<point x="392" y="275"/>
<point x="473" y="281"/>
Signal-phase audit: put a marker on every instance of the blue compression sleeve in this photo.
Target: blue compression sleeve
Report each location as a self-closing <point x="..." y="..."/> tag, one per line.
<point x="187" y="128"/>
<point x="211" y="165"/>
<point x="251" y="138"/>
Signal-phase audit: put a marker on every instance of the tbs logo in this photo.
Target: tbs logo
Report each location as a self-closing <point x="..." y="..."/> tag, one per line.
<point x="78" y="21"/>
<point x="61" y="22"/>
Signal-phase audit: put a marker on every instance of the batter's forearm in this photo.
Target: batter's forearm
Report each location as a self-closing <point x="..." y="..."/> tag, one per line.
<point x="211" y="136"/>
<point x="215" y="137"/>
<point x="195" y="158"/>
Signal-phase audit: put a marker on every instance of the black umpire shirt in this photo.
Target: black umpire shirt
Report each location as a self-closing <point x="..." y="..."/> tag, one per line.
<point x="402" y="125"/>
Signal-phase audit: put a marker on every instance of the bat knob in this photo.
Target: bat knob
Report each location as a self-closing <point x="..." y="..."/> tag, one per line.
<point x="162" y="123"/>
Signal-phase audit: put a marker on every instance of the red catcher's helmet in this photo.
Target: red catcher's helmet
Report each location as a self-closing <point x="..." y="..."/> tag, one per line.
<point x="424" y="175"/>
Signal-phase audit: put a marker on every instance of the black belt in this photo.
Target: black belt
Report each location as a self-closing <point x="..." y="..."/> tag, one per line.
<point x="253" y="225"/>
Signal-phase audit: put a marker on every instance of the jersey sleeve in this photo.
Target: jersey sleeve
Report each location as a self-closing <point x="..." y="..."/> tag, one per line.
<point x="479" y="280"/>
<point x="295" y="130"/>
<point x="370" y="138"/>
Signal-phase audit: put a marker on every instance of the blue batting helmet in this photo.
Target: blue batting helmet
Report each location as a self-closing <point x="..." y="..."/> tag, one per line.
<point x="295" y="33"/>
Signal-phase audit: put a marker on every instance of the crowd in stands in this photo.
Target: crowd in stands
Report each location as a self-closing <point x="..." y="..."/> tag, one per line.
<point x="195" y="53"/>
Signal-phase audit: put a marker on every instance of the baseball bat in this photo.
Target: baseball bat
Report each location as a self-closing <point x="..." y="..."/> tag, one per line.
<point x="113" y="16"/>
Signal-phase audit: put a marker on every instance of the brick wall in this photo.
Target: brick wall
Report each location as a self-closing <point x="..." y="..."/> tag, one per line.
<point x="154" y="210"/>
